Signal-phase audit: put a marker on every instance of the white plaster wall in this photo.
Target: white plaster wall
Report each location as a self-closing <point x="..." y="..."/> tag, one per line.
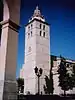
<point x="56" y="83"/>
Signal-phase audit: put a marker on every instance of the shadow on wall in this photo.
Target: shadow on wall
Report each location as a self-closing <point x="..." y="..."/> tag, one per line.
<point x="44" y="97"/>
<point x="1" y="15"/>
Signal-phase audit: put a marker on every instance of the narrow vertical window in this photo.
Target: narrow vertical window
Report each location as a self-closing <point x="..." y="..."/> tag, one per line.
<point x="40" y="33"/>
<point x="43" y="27"/>
<point x="40" y="26"/>
<point x="31" y="26"/>
<point x="28" y="28"/>
<point x="43" y="34"/>
<point x="28" y="35"/>
<point x="31" y="33"/>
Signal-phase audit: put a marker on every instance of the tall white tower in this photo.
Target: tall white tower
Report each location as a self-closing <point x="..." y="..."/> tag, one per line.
<point x="37" y="52"/>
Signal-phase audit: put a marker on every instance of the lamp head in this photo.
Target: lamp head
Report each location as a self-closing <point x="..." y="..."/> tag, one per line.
<point x="40" y="70"/>
<point x="36" y="69"/>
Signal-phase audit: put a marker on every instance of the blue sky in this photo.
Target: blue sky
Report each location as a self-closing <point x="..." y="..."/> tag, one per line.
<point x="60" y="14"/>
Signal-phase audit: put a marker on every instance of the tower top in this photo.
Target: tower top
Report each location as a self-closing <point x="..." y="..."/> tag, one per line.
<point x="37" y="14"/>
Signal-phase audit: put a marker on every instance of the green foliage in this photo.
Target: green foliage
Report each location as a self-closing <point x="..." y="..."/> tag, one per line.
<point x="65" y="80"/>
<point x="48" y="88"/>
<point x="49" y="84"/>
<point x="73" y="76"/>
<point x="53" y="58"/>
<point x="20" y="82"/>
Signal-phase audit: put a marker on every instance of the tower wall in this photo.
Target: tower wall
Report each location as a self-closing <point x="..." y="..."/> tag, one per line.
<point x="36" y="54"/>
<point x="30" y="59"/>
<point x="42" y="52"/>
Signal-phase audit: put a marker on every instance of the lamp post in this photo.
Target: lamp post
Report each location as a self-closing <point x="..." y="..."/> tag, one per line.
<point x="38" y="73"/>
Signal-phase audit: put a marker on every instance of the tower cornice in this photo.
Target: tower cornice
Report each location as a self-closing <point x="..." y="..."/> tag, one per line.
<point x="35" y="19"/>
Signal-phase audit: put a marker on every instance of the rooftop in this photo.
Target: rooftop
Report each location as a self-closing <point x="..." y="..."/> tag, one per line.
<point x="37" y="14"/>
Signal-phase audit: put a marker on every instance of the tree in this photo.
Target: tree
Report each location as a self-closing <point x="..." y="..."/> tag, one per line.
<point x="73" y="77"/>
<point x="48" y="88"/>
<point x="49" y="84"/>
<point x="64" y="77"/>
<point x="74" y="74"/>
<point x="20" y="82"/>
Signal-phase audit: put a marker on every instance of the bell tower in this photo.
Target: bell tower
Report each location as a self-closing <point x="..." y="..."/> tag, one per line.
<point x="37" y="52"/>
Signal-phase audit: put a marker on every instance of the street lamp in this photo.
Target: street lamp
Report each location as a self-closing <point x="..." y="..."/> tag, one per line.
<point x="38" y="73"/>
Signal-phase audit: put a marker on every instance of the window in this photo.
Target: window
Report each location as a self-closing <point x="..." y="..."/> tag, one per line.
<point x="28" y="27"/>
<point x="28" y="35"/>
<point x="67" y="65"/>
<point x="58" y="63"/>
<point x="31" y="33"/>
<point x="43" y="34"/>
<point x="31" y="26"/>
<point x="43" y="27"/>
<point x="40" y="26"/>
<point x="29" y="49"/>
<point x="40" y="33"/>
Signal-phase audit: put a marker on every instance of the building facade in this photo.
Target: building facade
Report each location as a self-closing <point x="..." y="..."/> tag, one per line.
<point x="56" y="62"/>
<point x="37" y="50"/>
